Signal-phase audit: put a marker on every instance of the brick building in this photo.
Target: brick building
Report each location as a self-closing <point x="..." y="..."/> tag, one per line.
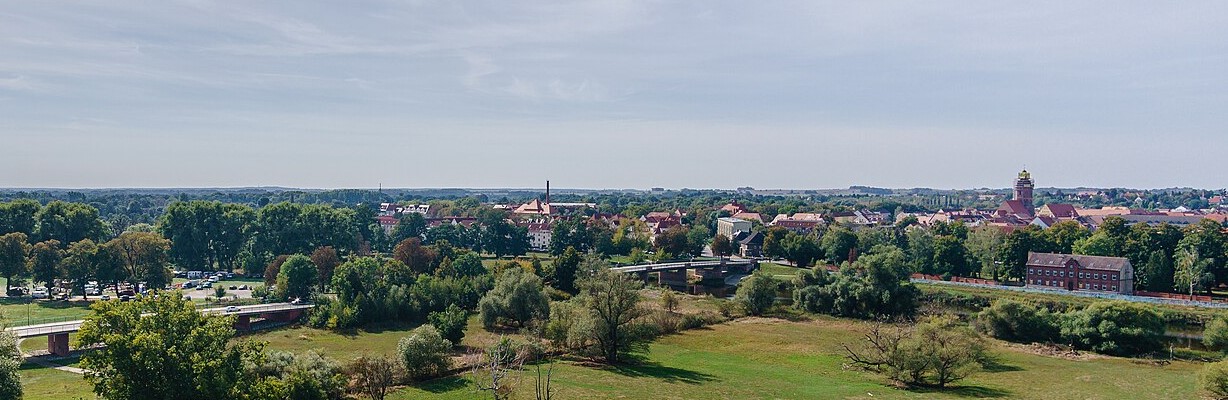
<point x="1084" y="273"/>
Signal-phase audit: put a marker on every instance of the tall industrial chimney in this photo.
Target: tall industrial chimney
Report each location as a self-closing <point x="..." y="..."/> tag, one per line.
<point x="547" y="192"/>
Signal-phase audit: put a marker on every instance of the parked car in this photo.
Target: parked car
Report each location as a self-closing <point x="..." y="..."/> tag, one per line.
<point x="233" y="287"/>
<point x="242" y="287"/>
<point x="39" y="293"/>
<point x="207" y="285"/>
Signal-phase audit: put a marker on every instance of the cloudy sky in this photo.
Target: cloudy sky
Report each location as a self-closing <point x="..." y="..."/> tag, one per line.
<point x="606" y="94"/>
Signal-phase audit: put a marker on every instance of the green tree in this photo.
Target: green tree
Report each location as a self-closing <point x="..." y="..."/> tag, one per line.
<point x="1191" y="272"/>
<point x="161" y="347"/>
<point x="936" y="352"/>
<point x="81" y="264"/>
<point x="1215" y="335"/>
<point x="18" y="216"/>
<point x="297" y="278"/>
<point x="1156" y="275"/>
<point x="373" y="376"/>
<point x="1017" y="322"/>
<point x="757" y="294"/>
<point x="1214" y="379"/>
<point x="984" y="245"/>
<point x="143" y="257"/>
<point x="10" y="364"/>
<point x="517" y="298"/>
<point x="13" y="250"/>
<point x="802" y="250"/>
<point x="1063" y="235"/>
<point x="424" y="353"/>
<point x="838" y="243"/>
<point x="562" y="272"/>
<point x="1115" y="328"/>
<point x="450" y="322"/>
<point x="68" y="222"/>
<point x="950" y="256"/>
<point x="46" y="262"/>
<point x="409" y="226"/>
<point x="612" y="299"/>
<point x="773" y="241"/>
<point x="669" y="300"/>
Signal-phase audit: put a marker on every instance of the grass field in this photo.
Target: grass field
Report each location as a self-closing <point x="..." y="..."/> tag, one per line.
<point x="760" y="358"/>
<point x="749" y="358"/>
<point x="781" y="271"/>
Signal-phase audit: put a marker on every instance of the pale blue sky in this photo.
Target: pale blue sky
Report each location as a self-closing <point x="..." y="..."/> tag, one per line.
<point x="606" y="94"/>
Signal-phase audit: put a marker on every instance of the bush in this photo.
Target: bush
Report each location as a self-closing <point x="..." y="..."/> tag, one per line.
<point x="1114" y="327"/>
<point x="757" y="294"/>
<point x="1214" y="379"/>
<point x="1017" y="322"/>
<point x="936" y="352"/>
<point x="306" y="376"/>
<point x="424" y="353"/>
<point x="518" y="298"/>
<point x="1216" y="333"/>
<point x="873" y="287"/>
<point x="450" y="323"/>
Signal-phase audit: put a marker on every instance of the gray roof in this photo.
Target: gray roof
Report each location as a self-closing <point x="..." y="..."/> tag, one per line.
<point x="1087" y="262"/>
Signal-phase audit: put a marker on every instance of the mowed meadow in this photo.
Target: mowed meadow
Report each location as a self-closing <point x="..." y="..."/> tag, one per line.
<point x="745" y="358"/>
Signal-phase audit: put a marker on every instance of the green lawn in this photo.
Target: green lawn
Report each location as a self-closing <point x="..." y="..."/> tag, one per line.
<point x="748" y="358"/>
<point x="44" y="383"/>
<point x="779" y="270"/>
<point x="23" y="311"/>
<point x="760" y="358"/>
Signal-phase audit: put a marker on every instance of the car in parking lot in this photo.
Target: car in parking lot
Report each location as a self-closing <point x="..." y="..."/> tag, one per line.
<point x="242" y="287"/>
<point x="233" y="287"/>
<point x="39" y="293"/>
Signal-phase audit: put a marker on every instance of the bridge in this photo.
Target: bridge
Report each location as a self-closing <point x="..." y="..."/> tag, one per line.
<point x="57" y="332"/>
<point x="674" y="273"/>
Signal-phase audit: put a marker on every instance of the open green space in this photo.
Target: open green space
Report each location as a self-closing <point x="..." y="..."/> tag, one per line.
<point x="761" y="358"/>
<point x="779" y="270"/>
<point x="45" y="383"/>
<point x="748" y="358"/>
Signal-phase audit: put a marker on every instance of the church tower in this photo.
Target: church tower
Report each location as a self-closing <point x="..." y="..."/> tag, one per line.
<point x="1023" y="189"/>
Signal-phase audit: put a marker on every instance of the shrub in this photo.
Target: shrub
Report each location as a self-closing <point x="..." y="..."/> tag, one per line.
<point x="1114" y="327"/>
<point x="450" y="323"/>
<point x="873" y="287"/>
<point x="1214" y="379"/>
<point x="1017" y="322"/>
<point x="936" y="352"/>
<point x="424" y="353"/>
<point x="517" y="298"/>
<point x="758" y="293"/>
<point x="1216" y="333"/>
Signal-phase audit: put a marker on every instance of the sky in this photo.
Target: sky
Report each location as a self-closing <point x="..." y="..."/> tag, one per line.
<point x="612" y="94"/>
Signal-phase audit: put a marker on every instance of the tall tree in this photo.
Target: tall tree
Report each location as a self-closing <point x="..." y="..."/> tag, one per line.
<point x="68" y="222"/>
<point x="161" y="347"/>
<point x="143" y="256"/>
<point x="13" y="250"/>
<point x="81" y="264"/>
<point x="17" y="216"/>
<point x="46" y="262"/>
<point x="1192" y="272"/>
<point x="838" y="243"/>
<point x="411" y="225"/>
<point x="721" y="246"/>
<point x="296" y="278"/>
<point x="984" y="245"/>
<point x="326" y="261"/>
<point x="562" y="272"/>
<point x="613" y="300"/>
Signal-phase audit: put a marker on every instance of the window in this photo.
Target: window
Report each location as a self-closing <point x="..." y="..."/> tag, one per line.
<point x="1097" y="276"/>
<point x="1031" y="271"/>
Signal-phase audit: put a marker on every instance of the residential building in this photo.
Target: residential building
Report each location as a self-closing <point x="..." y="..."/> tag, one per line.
<point x="1077" y="272"/>
<point x="750" y="245"/>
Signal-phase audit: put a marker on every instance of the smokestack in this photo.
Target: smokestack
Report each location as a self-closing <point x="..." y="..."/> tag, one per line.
<point x="547" y="192"/>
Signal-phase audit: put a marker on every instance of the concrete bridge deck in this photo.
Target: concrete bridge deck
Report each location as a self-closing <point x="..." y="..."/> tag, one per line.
<point x="57" y="332"/>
